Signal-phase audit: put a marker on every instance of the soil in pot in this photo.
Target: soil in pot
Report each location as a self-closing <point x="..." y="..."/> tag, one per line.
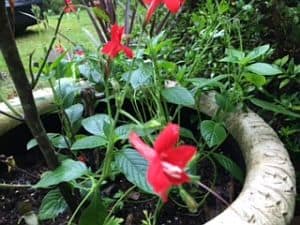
<point x="31" y="166"/>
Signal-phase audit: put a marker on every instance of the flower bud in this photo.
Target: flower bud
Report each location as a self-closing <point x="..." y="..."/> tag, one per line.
<point x="188" y="200"/>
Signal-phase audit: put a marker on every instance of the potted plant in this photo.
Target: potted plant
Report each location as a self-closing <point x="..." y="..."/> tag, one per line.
<point x="141" y="107"/>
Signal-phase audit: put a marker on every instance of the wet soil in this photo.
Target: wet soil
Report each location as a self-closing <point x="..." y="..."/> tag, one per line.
<point x="132" y="210"/>
<point x="31" y="166"/>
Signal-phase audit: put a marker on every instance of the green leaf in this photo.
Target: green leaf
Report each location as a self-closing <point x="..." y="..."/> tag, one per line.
<point x="101" y="14"/>
<point x="258" y="51"/>
<point x="52" y="205"/>
<point x="66" y="91"/>
<point x="114" y="221"/>
<point x="212" y="132"/>
<point x="178" y="95"/>
<point x="263" y="69"/>
<point x="134" y="168"/>
<point x="95" y="213"/>
<point x="139" y="78"/>
<point x="230" y="166"/>
<point x="67" y="171"/>
<point x="273" y="107"/>
<point x="60" y="141"/>
<point x="233" y="56"/>
<point x="256" y="79"/>
<point x="74" y="113"/>
<point x="208" y="82"/>
<point x="89" y="143"/>
<point x="94" y="75"/>
<point x="95" y="124"/>
<point x="224" y="102"/>
<point x="33" y="143"/>
<point x="187" y="133"/>
<point x="123" y="131"/>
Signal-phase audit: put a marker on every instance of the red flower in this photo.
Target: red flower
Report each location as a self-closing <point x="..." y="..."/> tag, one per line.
<point x="69" y="6"/>
<point x="166" y="160"/>
<point x="114" y="47"/>
<point x="79" y="53"/>
<point x="59" y="49"/>
<point x="172" y="5"/>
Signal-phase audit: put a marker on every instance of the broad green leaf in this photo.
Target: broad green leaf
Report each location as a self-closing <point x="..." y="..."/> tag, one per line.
<point x="230" y="166"/>
<point x="256" y="79"/>
<point x="52" y="205"/>
<point x="33" y="143"/>
<point x="212" y="132"/>
<point x="273" y="107"/>
<point x="233" y="56"/>
<point x="179" y="95"/>
<point x="95" y="213"/>
<point x="67" y="171"/>
<point x="258" y="51"/>
<point x="140" y="78"/>
<point x="89" y="142"/>
<point x="95" y="124"/>
<point x="60" y="141"/>
<point x="66" y="91"/>
<point x="208" y="82"/>
<point x="90" y="73"/>
<point x="123" y="131"/>
<point x="74" y="113"/>
<point x="134" y="168"/>
<point x="263" y="69"/>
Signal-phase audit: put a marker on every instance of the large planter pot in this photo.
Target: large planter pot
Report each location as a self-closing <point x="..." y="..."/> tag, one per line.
<point x="268" y="194"/>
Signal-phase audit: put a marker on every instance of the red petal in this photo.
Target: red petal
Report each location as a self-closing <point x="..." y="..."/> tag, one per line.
<point x="158" y="179"/>
<point x="147" y="2"/>
<point x="167" y="138"/>
<point x="179" y="156"/>
<point x="111" y="49"/>
<point x="145" y="150"/>
<point x="128" y="51"/>
<point x="153" y="6"/>
<point x="184" y="178"/>
<point x="116" y="33"/>
<point x="173" y="5"/>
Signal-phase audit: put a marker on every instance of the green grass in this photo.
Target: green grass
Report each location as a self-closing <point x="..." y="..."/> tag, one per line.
<point x="37" y="38"/>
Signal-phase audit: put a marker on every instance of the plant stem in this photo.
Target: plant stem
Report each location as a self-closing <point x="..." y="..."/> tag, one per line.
<point x="35" y="81"/>
<point x="159" y="205"/>
<point x="14" y="186"/>
<point x="17" y="72"/>
<point x="118" y="201"/>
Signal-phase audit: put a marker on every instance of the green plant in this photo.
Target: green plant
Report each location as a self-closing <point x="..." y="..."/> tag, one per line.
<point x="133" y="90"/>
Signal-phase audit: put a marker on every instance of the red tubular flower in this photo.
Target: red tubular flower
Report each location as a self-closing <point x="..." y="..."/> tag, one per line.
<point x="167" y="161"/>
<point x="114" y="46"/>
<point x="69" y="6"/>
<point x="172" y="5"/>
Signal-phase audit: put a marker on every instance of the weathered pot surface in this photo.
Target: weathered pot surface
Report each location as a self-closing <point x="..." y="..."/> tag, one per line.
<point x="268" y="194"/>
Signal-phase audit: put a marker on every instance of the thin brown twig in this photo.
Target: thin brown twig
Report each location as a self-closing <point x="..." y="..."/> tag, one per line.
<point x="11" y="116"/>
<point x="35" y="81"/>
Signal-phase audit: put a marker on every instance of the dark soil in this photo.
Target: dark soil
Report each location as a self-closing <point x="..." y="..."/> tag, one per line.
<point x="31" y="166"/>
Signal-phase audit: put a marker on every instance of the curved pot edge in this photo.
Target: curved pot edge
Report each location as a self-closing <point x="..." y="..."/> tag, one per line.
<point x="269" y="191"/>
<point x="44" y="102"/>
